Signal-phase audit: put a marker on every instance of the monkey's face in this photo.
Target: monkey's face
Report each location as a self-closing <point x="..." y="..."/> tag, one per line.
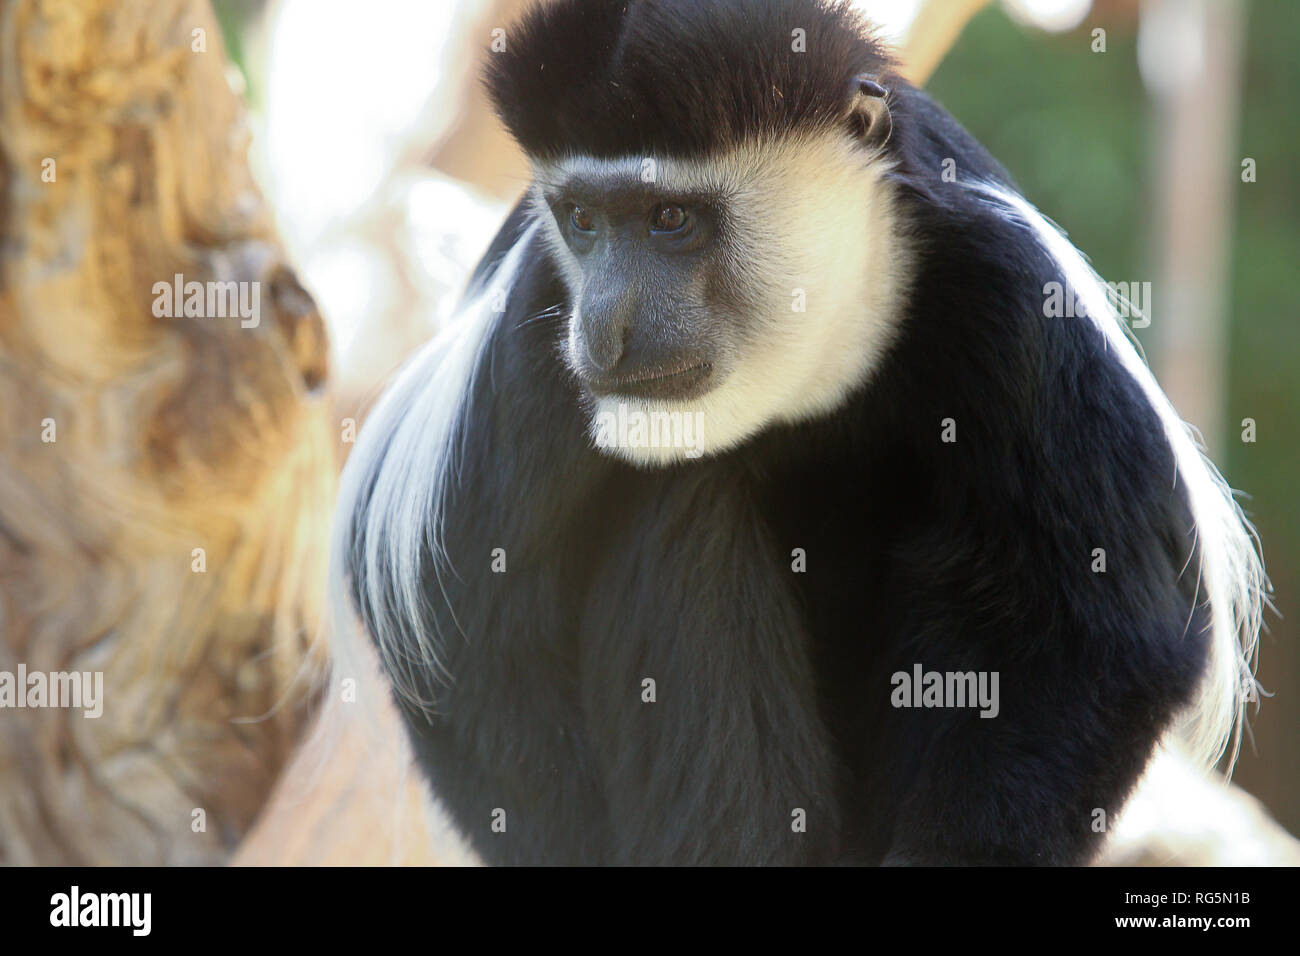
<point x="650" y="319"/>
<point x="710" y="298"/>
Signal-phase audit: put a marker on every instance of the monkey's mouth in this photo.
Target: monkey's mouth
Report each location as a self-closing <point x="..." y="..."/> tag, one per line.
<point x="683" y="382"/>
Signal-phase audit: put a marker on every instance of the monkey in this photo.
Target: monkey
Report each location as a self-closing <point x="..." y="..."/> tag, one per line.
<point x="754" y="459"/>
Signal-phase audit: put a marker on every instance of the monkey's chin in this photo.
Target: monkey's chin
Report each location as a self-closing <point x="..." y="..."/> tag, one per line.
<point x="651" y="433"/>
<point x="655" y="433"/>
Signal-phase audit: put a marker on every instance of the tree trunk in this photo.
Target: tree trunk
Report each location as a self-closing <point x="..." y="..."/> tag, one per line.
<point x="165" y="482"/>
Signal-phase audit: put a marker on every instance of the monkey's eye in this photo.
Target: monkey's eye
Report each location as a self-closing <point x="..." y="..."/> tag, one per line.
<point x="668" y="217"/>
<point x="581" y="219"/>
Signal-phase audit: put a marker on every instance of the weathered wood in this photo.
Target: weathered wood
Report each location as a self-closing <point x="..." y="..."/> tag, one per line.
<point x="122" y="164"/>
<point x="933" y="32"/>
<point x="352" y="796"/>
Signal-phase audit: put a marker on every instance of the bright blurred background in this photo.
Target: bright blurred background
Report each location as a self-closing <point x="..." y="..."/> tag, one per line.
<point x="388" y="176"/>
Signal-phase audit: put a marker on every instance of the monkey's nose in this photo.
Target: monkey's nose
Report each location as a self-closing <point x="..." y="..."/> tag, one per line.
<point x="605" y="347"/>
<point x="605" y="334"/>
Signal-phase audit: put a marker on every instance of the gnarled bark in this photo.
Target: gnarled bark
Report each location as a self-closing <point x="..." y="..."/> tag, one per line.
<point x="122" y="164"/>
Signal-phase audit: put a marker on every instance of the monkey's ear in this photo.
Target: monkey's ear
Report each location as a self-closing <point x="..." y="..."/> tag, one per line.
<point x="868" y="107"/>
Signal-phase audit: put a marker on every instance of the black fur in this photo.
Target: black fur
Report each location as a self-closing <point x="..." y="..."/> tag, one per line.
<point x="773" y="686"/>
<point x="612" y="78"/>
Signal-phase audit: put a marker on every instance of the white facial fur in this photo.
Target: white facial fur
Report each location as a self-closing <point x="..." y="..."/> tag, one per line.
<point x="808" y="214"/>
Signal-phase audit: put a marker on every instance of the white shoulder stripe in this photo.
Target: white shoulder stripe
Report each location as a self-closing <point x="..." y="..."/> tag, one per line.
<point x="1231" y="572"/>
<point x="403" y="456"/>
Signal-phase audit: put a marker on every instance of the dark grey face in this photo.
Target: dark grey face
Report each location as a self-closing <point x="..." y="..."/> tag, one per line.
<point x="644" y="266"/>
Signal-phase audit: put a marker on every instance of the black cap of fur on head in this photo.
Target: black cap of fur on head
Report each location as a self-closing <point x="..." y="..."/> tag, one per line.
<point x="611" y="78"/>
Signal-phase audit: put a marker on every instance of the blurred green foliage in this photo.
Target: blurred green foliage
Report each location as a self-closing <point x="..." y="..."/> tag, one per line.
<point x="237" y="19"/>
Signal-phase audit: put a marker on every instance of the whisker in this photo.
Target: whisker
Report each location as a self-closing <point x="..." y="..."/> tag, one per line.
<point x="554" y="312"/>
